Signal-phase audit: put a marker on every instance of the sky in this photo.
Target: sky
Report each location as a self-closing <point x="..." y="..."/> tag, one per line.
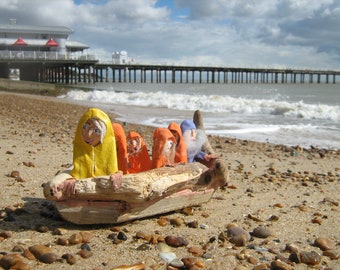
<point x="221" y="33"/>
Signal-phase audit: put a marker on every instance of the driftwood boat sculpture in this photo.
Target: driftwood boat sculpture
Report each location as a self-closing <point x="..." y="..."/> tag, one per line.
<point x="141" y="195"/>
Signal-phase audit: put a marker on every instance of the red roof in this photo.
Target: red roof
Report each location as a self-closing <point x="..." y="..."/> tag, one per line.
<point x="51" y="43"/>
<point x="20" y="42"/>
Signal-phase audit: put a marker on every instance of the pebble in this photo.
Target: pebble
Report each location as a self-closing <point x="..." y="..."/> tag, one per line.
<point x="196" y="251"/>
<point x="85" y="246"/>
<point x="39" y="250"/>
<point x="324" y="243"/>
<point x="70" y="259"/>
<point x="85" y="253"/>
<point x="192" y="224"/>
<point x="176" y="263"/>
<point x="333" y="254"/>
<point x="167" y="256"/>
<point x="48" y="258"/>
<point x="309" y="258"/>
<point x="176" y="222"/>
<point x="122" y="236"/>
<point x="59" y="231"/>
<point x="174" y="241"/>
<point x="261" y="232"/>
<point x="8" y="260"/>
<point x="238" y="236"/>
<point x="279" y="265"/>
<point x="143" y="247"/>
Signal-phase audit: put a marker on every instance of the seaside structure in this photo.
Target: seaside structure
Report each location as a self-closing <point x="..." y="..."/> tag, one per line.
<point x="41" y="53"/>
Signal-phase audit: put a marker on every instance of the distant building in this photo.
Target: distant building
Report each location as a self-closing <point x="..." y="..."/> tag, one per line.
<point x="14" y="37"/>
<point x="121" y="58"/>
<point x="43" y="53"/>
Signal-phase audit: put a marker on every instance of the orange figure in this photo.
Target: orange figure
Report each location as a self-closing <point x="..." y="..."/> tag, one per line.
<point x="121" y="147"/>
<point x="138" y="156"/>
<point x="164" y="148"/>
<point x="181" y="155"/>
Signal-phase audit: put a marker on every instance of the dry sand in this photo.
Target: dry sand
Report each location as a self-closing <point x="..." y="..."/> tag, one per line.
<point x="292" y="192"/>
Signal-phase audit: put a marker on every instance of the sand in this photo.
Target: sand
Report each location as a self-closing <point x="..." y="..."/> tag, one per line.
<point x="292" y="192"/>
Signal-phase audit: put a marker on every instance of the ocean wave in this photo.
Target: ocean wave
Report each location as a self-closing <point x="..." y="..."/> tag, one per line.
<point x="210" y="103"/>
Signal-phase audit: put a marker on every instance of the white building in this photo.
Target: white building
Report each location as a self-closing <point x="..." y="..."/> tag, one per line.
<point x="121" y="58"/>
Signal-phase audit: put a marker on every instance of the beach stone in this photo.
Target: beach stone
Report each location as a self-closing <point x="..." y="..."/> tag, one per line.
<point x="85" y="246"/>
<point x="8" y="260"/>
<point x="324" y="243"/>
<point x="21" y="266"/>
<point x="309" y="258"/>
<point x="162" y="247"/>
<point x="28" y="254"/>
<point x="193" y="224"/>
<point x="261" y="232"/>
<point x="75" y="239"/>
<point x="70" y="259"/>
<point x="237" y="235"/>
<point x="48" y="258"/>
<point x="174" y="241"/>
<point x="333" y="254"/>
<point x="59" y="231"/>
<point x="279" y="265"/>
<point x="167" y="256"/>
<point x="85" y="254"/>
<point x="39" y="250"/>
<point x="6" y="234"/>
<point x="86" y="237"/>
<point x="292" y="248"/>
<point x="62" y="241"/>
<point x="122" y="236"/>
<point x="176" y="263"/>
<point x="262" y="266"/>
<point x="196" y="251"/>
<point x="176" y="222"/>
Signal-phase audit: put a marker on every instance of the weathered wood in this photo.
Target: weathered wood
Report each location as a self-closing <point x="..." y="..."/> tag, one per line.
<point x="144" y="186"/>
<point x="111" y="212"/>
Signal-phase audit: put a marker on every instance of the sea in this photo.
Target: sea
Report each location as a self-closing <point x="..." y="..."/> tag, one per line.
<point x="301" y="114"/>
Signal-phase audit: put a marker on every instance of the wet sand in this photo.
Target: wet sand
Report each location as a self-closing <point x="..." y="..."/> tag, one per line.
<point x="291" y="192"/>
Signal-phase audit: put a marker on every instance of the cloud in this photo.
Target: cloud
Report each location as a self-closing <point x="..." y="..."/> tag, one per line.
<point x="270" y="33"/>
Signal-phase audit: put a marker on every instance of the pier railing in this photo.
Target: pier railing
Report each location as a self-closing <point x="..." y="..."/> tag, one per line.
<point x="48" y="55"/>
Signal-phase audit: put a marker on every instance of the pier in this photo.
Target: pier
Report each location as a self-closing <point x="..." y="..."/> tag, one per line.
<point x="54" y="67"/>
<point x="130" y="73"/>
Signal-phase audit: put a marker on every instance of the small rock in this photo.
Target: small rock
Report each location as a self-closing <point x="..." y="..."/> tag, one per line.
<point x="167" y="256"/>
<point x="176" y="222"/>
<point x="122" y="236"/>
<point x="196" y="251"/>
<point x="174" y="241"/>
<point x="261" y="232"/>
<point x="85" y="253"/>
<point x="39" y="250"/>
<point x="8" y="260"/>
<point x="324" y="243"/>
<point x="278" y="265"/>
<point x="48" y="258"/>
<point x="70" y="259"/>
<point x="333" y="254"/>
<point x="192" y="224"/>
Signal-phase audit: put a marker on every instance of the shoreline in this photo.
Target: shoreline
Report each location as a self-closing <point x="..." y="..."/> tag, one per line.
<point x="293" y="195"/>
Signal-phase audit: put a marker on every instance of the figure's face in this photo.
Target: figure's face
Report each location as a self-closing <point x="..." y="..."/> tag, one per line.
<point x="91" y="133"/>
<point x="193" y="134"/>
<point x="134" y="145"/>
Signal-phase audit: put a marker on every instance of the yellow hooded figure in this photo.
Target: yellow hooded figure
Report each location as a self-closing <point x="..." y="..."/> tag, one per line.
<point x="94" y="147"/>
